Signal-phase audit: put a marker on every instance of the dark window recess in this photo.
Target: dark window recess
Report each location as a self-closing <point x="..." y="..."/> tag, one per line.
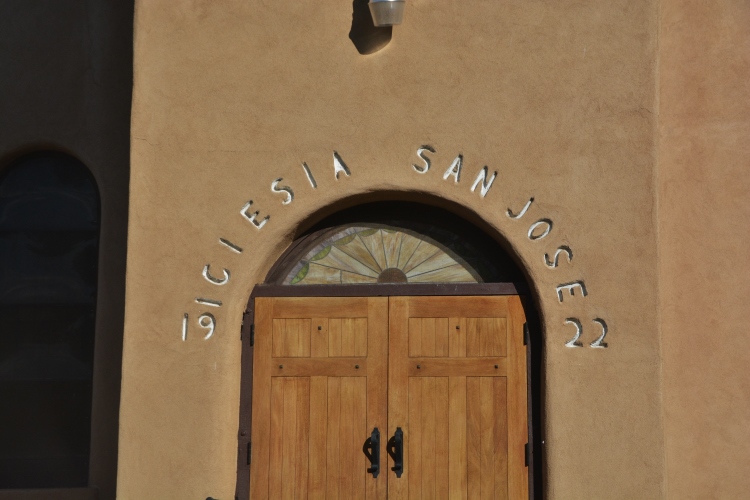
<point x="49" y="237"/>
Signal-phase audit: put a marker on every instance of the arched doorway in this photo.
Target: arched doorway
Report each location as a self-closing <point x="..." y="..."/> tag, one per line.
<point x="388" y="354"/>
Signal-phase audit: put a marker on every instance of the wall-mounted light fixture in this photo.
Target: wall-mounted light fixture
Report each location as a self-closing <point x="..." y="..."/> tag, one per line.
<point x="387" y="12"/>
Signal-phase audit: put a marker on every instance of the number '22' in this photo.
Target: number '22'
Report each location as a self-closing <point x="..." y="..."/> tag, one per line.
<point x="598" y="343"/>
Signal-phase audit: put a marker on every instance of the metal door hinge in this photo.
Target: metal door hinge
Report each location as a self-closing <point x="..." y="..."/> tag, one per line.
<point x="525" y="334"/>
<point x="252" y="335"/>
<point x="242" y="325"/>
<point x="527" y="454"/>
<point x="249" y="451"/>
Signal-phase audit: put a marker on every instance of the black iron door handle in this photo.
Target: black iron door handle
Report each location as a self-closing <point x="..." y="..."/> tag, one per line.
<point x="371" y="449"/>
<point x="395" y="449"/>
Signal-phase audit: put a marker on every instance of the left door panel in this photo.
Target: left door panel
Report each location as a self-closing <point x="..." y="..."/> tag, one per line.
<point x="319" y="389"/>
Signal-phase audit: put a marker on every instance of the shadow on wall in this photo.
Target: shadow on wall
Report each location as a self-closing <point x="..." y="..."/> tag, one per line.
<point x="66" y="86"/>
<point x="365" y="36"/>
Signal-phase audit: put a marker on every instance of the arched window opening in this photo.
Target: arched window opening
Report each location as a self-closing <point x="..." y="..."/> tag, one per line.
<point x="426" y="297"/>
<point x="382" y="253"/>
<point x="395" y="242"/>
<point x="49" y="237"/>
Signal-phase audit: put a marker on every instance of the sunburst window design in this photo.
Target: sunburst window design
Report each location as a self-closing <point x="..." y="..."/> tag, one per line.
<point x="383" y="254"/>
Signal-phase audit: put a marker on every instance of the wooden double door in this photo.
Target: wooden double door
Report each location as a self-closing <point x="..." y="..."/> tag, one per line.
<point x="442" y="379"/>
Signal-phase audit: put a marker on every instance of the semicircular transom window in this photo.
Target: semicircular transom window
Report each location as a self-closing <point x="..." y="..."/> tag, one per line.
<point x="381" y="253"/>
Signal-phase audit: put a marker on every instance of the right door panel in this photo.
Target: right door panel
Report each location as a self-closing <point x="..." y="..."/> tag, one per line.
<point x="457" y="389"/>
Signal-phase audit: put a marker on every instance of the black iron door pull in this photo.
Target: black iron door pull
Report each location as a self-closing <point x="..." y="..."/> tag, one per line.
<point x="395" y="449"/>
<point x="371" y="449"/>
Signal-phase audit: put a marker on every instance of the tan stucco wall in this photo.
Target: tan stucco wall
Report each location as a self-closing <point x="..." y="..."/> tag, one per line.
<point x="65" y="85"/>
<point x="558" y="97"/>
<point x="704" y="209"/>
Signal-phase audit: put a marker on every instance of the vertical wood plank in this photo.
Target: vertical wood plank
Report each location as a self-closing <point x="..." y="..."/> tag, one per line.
<point x="289" y="338"/>
<point x="334" y="337"/>
<point x="442" y="437"/>
<point x="262" y="396"/>
<point x="429" y="394"/>
<point x="485" y="330"/>
<point x="318" y="435"/>
<point x="333" y="469"/>
<point x="492" y="332"/>
<point x="347" y="337"/>
<point x="356" y="457"/>
<point x="275" y="464"/>
<point x="347" y="429"/>
<point x="457" y="337"/>
<point x="441" y="337"/>
<point x="472" y="338"/>
<point x="518" y="484"/>
<point x="415" y="337"/>
<point x="497" y="337"/>
<point x="360" y="335"/>
<point x="291" y="334"/>
<point x="303" y="337"/>
<point x="353" y="433"/>
<point x="487" y="430"/>
<point x="398" y="389"/>
<point x="473" y="437"/>
<point x="279" y="337"/>
<point x="415" y="437"/>
<point x="319" y="338"/>
<point x="457" y="451"/>
<point x="501" y="438"/>
<point x="289" y="435"/>
<point x="428" y="337"/>
<point x="302" y="445"/>
<point x="376" y="337"/>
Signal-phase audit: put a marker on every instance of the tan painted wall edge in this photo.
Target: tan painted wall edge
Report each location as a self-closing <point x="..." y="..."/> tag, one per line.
<point x="704" y="187"/>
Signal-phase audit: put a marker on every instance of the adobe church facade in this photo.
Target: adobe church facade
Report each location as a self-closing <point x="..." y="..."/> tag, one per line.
<point x="593" y="155"/>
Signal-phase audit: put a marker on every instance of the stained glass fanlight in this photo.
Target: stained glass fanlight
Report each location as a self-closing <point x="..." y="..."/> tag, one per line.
<point x="377" y="253"/>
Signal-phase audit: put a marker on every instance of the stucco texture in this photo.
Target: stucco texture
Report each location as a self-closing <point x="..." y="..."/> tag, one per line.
<point x="704" y="208"/>
<point x="558" y="97"/>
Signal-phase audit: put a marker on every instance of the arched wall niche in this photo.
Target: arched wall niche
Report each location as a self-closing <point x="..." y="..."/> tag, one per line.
<point x="50" y="219"/>
<point x="41" y="148"/>
<point x="401" y="209"/>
